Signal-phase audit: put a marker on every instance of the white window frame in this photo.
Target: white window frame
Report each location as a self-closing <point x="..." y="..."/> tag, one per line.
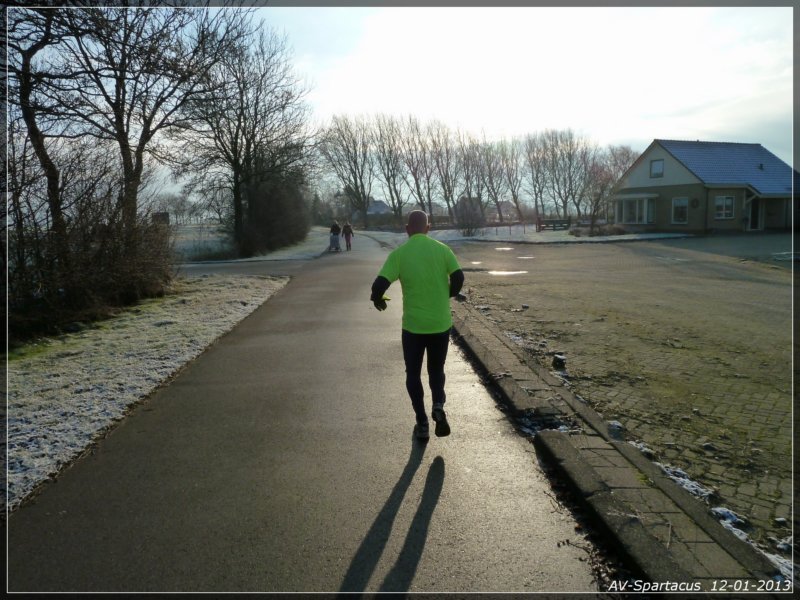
<point x="656" y="173"/>
<point x="685" y="201"/>
<point x="727" y="212"/>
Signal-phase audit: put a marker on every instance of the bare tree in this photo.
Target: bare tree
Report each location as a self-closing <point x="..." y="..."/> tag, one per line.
<point x="217" y="201"/>
<point x="512" y="168"/>
<point x="568" y="157"/>
<point x="31" y="33"/>
<point x="618" y="159"/>
<point x="492" y="175"/>
<point x="420" y="164"/>
<point x="449" y="167"/>
<point x="27" y="206"/>
<point x="124" y="74"/>
<point x="390" y="167"/>
<point x="347" y="147"/>
<point x="605" y="168"/>
<point x="536" y="170"/>
<point x="588" y="158"/>
<point x="469" y="150"/>
<point x="250" y="125"/>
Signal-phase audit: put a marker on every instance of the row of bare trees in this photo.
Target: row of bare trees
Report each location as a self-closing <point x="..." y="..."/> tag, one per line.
<point x="409" y="162"/>
<point x="99" y="97"/>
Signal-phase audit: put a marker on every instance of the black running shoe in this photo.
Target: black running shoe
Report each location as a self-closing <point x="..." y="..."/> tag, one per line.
<point x="440" y="418"/>
<point x="421" y="431"/>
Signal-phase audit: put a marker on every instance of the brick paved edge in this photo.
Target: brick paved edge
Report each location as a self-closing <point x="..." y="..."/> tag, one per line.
<point x="514" y="377"/>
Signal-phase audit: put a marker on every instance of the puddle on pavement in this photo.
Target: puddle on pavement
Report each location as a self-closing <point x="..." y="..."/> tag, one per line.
<point x="507" y="272"/>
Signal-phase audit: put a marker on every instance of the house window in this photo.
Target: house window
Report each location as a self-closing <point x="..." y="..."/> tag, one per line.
<point x="657" y="168"/>
<point x="723" y="207"/>
<point x="680" y="211"/>
<point x="638" y="211"/>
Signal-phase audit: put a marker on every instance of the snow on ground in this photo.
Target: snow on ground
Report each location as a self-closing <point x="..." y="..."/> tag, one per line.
<point x="63" y="393"/>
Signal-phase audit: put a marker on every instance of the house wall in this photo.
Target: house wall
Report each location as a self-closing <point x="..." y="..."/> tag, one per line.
<point x="775" y="212"/>
<point x="726" y="225"/>
<point x="663" y="219"/>
<point x="696" y="194"/>
<point x="674" y="172"/>
<point x="778" y="213"/>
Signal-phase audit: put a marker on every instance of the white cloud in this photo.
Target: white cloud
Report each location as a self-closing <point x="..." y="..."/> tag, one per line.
<point x="612" y="73"/>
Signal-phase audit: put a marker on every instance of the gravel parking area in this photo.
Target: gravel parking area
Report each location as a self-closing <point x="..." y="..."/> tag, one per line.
<point x="687" y="343"/>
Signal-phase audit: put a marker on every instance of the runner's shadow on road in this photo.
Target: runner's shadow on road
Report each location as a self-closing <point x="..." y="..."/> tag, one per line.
<point x="369" y="552"/>
<point x="402" y="574"/>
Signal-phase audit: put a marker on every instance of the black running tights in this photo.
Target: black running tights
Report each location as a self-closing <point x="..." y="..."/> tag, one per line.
<point x="414" y="347"/>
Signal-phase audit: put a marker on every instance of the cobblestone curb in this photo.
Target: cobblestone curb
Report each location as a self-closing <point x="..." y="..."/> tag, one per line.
<point x="668" y="535"/>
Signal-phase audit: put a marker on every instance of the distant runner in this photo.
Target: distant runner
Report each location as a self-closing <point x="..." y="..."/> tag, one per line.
<point x="429" y="275"/>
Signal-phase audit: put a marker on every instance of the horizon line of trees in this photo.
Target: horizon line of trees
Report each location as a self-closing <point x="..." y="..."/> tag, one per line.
<point x="415" y="163"/>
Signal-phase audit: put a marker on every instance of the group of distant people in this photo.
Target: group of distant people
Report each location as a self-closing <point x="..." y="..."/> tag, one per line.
<point x="345" y="231"/>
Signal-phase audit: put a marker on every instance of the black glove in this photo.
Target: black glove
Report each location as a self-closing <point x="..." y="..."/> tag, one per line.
<point x="381" y="303"/>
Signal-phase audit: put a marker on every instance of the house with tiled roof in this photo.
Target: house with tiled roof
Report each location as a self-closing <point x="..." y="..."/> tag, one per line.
<point x="706" y="187"/>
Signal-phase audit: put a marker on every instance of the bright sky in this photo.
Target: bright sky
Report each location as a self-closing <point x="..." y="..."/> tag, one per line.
<point x="616" y="75"/>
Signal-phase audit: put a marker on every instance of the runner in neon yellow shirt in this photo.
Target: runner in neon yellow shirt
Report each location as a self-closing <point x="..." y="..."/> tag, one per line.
<point x="429" y="275"/>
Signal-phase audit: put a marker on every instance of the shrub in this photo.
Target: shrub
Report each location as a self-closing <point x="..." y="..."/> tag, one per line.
<point x="106" y="267"/>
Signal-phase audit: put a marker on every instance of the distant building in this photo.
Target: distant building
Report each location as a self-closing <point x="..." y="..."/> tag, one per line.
<point x="706" y="186"/>
<point x="375" y="208"/>
<point x="378" y="207"/>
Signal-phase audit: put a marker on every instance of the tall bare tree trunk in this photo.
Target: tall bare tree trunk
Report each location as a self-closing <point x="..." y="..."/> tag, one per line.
<point x="52" y="175"/>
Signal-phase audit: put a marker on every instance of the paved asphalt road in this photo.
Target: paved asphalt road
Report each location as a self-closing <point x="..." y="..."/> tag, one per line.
<point x="282" y="459"/>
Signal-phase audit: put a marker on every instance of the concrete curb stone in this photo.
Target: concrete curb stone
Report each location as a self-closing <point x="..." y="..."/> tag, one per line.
<point x="669" y="535"/>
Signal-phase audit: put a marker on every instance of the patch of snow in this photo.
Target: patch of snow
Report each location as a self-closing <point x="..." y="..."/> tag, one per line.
<point x="727" y="517"/>
<point x="66" y="392"/>
<point x="643" y="448"/>
<point x="730" y="520"/>
<point x="682" y="479"/>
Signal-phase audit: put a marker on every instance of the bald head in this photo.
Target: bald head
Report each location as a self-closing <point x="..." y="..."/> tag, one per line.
<point x="417" y="222"/>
